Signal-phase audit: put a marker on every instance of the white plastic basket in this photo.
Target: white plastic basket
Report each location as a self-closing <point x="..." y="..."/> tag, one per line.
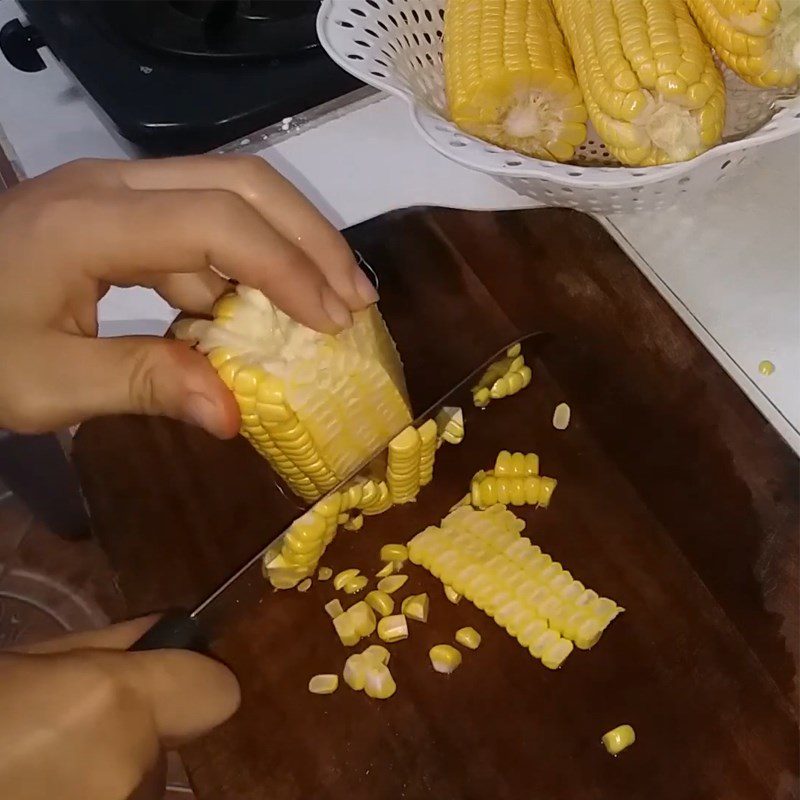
<point x="396" y="45"/>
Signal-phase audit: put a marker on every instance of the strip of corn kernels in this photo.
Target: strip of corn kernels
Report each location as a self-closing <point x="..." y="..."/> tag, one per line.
<point x="487" y="488"/>
<point x="403" y="470"/>
<point x="482" y="556"/>
<point x="427" y="452"/>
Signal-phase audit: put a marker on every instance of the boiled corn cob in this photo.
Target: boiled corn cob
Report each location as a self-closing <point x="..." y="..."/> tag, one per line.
<point x="315" y="406"/>
<point x="758" y="39"/>
<point x="482" y="555"/>
<point x="651" y="87"/>
<point x="509" y="77"/>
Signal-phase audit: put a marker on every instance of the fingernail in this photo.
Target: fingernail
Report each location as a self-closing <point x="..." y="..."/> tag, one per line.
<point x="336" y="309"/>
<point x="201" y="411"/>
<point x="366" y="291"/>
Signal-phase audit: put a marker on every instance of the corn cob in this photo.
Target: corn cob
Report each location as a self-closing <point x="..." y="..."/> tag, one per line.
<point x="315" y="406"/>
<point x="482" y="555"/>
<point x="509" y="77"/>
<point x="758" y="39"/>
<point x="651" y="87"/>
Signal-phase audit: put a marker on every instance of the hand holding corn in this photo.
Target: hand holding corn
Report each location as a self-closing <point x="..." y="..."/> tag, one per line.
<point x="67" y="236"/>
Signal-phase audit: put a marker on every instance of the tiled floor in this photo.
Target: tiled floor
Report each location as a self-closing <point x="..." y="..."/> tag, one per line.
<point x="49" y="586"/>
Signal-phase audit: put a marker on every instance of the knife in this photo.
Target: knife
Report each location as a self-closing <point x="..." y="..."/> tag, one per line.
<point x="184" y="630"/>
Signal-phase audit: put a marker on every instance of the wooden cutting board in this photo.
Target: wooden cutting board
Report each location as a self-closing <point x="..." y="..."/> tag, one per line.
<point x="675" y="497"/>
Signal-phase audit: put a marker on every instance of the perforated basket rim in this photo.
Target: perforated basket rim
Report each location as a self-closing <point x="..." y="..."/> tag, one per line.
<point x="784" y="123"/>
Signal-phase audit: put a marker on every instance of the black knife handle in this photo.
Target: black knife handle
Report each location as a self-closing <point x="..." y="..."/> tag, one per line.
<point x="176" y="630"/>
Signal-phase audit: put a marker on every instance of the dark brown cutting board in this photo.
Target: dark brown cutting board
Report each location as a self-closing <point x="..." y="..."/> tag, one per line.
<point x="675" y="497"/>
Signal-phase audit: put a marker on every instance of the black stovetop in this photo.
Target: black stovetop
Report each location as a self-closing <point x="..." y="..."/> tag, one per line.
<point x="186" y="76"/>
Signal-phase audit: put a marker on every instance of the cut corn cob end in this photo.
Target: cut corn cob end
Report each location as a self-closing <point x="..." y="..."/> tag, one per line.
<point x="323" y="684"/>
<point x="510" y="80"/>
<point x="617" y="739"/>
<point x="444" y="658"/>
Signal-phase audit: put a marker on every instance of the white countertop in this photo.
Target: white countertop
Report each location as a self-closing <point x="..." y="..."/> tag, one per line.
<point x="729" y="263"/>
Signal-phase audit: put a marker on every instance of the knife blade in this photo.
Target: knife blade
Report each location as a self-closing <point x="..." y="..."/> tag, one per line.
<point x="193" y="630"/>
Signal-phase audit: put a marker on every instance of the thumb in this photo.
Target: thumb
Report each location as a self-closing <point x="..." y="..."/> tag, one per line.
<point x="84" y="377"/>
<point x="188" y="694"/>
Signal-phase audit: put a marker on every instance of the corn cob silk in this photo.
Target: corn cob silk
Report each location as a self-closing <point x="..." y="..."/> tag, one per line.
<point x="651" y="87"/>
<point x="509" y="77"/>
<point x="757" y="39"/>
<point x="315" y="406"/>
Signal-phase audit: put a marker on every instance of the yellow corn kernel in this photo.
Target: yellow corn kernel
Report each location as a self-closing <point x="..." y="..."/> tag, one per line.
<point x="450" y="425"/>
<point x="382" y="501"/>
<point x="387" y="570"/>
<point x="394" y="552"/>
<point x="379" y="683"/>
<point x="324" y="574"/>
<point x="468" y="637"/>
<point x="379" y="653"/>
<point x="323" y="684"/>
<point x="304" y="586"/>
<point x="355" y="671"/>
<point x="393" y="628"/>
<point x="444" y="658"/>
<point x="617" y="739"/>
<point x="345" y="626"/>
<point x="363" y="618"/>
<point x="315" y="406"/>
<point x="355" y="585"/>
<point x="391" y="584"/>
<point x="334" y="608"/>
<point x="354" y="523"/>
<point x="380" y="602"/>
<point x="766" y="367"/>
<point x="415" y="607"/>
<point x="561" y="416"/>
<point x="509" y="77"/>
<point x="451" y="594"/>
<point x="343" y="577"/>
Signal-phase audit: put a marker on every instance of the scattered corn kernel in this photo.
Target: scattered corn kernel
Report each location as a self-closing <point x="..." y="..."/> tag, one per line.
<point x="616" y="740"/>
<point x="334" y="608"/>
<point x="415" y="607"/>
<point x="304" y="586"/>
<point x="380" y="602"/>
<point x="324" y="574"/>
<point x="766" y="368"/>
<point x="394" y="552"/>
<point x="355" y="671"/>
<point x="343" y="577"/>
<point x="356" y="584"/>
<point x="355" y="523"/>
<point x="561" y="416"/>
<point x="323" y="684"/>
<point x="386" y="571"/>
<point x="392" y="583"/>
<point x="363" y="618"/>
<point x="379" y="682"/>
<point x="379" y="652"/>
<point x="444" y="658"/>
<point x="451" y="594"/>
<point x="345" y="626"/>
<point x="393" y="628"/>
<point x="468" y="637"/>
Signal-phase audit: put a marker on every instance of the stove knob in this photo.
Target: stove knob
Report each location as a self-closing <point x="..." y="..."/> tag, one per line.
<point x="20" y="45"/>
